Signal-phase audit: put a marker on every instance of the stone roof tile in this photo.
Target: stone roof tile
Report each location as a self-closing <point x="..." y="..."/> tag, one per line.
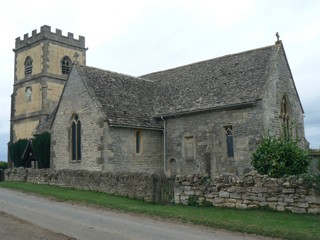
<point x="227" y="80"/>
<point x="125" y="100"/>
<point x="136" y="101"/>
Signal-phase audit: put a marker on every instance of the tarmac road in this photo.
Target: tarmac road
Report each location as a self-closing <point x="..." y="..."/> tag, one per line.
<point x="81" y="222"/>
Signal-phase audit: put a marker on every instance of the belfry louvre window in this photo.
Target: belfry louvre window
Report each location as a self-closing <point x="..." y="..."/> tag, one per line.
<point x="75" y="138"/>
<point x="229" y="141"/>
<point x="28" y="66"/>
<point x="65" y="65"/>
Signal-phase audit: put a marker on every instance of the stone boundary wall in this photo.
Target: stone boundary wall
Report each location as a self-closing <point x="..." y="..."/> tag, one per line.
<point x="133" y="185"/>
<point x="250" y="191"/>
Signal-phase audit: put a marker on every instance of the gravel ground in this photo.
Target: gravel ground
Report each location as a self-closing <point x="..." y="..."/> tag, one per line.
<point x="12" y="228"/>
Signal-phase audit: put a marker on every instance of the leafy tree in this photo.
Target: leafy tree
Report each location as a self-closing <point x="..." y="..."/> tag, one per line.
<point x="16" y="151"/>
<point x="41" y="149"/>
<point x="281" y="156"/>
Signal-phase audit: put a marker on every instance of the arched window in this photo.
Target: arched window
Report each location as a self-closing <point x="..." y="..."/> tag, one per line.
<point x="66" y="65"/>
<point x="229" y="141"/>
<point x="75" y="138"/>
<point x="285" y="115"/>
<point x="28" y="66"/>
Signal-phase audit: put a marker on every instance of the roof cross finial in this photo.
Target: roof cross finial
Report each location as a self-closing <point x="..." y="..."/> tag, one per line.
<point x="278" y="38"/>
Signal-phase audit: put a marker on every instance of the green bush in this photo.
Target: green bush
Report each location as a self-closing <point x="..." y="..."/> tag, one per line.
<point x="193" y="201"/>
<point x="311" y="180"/>
<point x="3" y="165"/>
<point x="277" y="157"/>
<point x="16" y="150"/>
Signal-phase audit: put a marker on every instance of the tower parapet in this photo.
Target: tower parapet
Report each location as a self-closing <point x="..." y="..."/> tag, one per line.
<point x="46" y="34"/>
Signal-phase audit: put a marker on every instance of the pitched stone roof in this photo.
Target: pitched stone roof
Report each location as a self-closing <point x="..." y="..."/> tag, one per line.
<point x="126" y="100"/>
<point x="228" y="80"/>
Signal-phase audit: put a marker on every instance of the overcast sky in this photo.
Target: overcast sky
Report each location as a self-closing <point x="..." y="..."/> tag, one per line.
<point x="139" y="37"/>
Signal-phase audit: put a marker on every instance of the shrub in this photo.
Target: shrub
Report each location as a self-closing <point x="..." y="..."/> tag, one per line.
<point x="3" y="165"/>
<point x="311" y="180"/>
<point x="193" y="201"/>
<point x="277" y="157"/>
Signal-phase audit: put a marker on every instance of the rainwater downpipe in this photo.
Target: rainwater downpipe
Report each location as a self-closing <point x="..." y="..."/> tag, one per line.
<point x="164" y="145"/>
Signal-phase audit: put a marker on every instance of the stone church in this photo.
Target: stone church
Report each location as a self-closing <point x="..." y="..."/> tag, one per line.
<point x="202" y="118"/>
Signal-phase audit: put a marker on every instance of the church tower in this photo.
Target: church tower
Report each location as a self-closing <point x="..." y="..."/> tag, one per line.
<point x="42" y="65"/>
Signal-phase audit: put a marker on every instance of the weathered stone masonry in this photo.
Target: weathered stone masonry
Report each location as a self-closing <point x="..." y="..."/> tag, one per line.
<point x="134" y="185"/>
<point x="249" y="191"/>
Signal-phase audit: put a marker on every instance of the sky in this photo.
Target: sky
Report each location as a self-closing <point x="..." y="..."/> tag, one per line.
<point x="139" y="37"/>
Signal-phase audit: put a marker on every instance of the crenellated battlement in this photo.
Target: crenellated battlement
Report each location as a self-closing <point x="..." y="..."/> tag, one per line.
<point x="46" y="34"/>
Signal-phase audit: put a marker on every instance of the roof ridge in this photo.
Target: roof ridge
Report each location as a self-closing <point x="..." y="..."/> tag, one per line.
<point x="207" y="60"/>
<point x="118" y="73"/>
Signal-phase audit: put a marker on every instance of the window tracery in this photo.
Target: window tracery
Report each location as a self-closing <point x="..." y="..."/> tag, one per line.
<point x="285" y="115"/>
<point x="66" y="65"/>
<point x="229" y="141"/>
<point x="75" y="138"/>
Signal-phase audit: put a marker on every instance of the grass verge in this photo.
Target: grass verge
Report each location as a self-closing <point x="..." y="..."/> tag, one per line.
<point x="257" y="221"/>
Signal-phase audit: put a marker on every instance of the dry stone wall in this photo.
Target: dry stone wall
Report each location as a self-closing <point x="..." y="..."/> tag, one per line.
<point x="249" y="191"/>
<point x="133" y="185"/>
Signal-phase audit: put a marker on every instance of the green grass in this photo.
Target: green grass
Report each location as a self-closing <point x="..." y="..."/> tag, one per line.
<point x="262" y="222"/>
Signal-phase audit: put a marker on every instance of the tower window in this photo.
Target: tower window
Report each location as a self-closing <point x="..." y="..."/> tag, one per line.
<point x="75" y="138"/>
<point x="28" y="66"/>
<point x="65" y="65"/>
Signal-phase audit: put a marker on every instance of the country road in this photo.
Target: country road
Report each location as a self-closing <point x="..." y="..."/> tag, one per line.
<point x="81" y="222"/>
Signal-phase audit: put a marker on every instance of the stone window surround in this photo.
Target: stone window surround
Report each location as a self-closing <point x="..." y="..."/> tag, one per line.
<point x="75" y="138"/>
<point x="28" y="66"/>
<point x="285" y="114"/>
<point x="188" y="146"/>
<point x="66" y="65"/>
<point x="228" y="141"/>
<point x="138" y="141"/>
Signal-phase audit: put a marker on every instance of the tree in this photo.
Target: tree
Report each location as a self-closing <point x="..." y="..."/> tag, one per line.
<point x="16" y="151"/>
<point x="41" y="149"/>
